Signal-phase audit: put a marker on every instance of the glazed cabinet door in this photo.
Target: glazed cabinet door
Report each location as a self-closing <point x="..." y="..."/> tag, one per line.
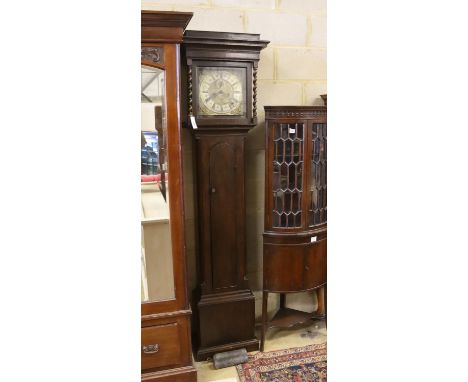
<point x="317" y="174"/>
<point x="286" y="175"/>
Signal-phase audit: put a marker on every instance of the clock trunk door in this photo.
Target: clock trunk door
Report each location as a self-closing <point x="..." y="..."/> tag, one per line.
<point x="222" y="241"/>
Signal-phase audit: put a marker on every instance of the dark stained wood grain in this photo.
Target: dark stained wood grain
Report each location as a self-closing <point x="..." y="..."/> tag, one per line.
<point x="226" y="49"/>
<point x="163" y="26"/>
<point x="321" y="301"/>
<point x="168" y="322"/>
<point x="225" y="316"/>
<point x="223" y="230"/>
<point x="167" y="338"/>
<point x="236" y="323"/>
<point x="172" y="333"/>
<point x="225" y="305"/>
<point x="286" y="318"/>
<point x="315" y="265"/>
<point x="179" y="374"/>
<point x="283" y="267"/>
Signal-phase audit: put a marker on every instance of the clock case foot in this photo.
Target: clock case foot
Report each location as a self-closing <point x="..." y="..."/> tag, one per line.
<point x="225" y="322"/>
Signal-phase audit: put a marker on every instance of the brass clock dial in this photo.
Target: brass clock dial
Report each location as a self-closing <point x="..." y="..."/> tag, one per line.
<point x="221" y="91"/>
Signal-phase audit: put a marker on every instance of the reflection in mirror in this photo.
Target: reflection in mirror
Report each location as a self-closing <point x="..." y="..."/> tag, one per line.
<point x="157" y="279"/>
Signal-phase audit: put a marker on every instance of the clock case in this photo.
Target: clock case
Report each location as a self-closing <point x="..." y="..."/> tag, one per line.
<point x="222" y="50"/>
<point x="224" y="318"/>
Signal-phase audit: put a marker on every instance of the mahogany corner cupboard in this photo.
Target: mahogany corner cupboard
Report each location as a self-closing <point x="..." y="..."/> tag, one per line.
<point x="166" y="351"/>
<point x="295" y="234"/>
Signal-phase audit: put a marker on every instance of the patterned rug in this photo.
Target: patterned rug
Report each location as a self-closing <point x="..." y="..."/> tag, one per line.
<point x="304" y="364"/>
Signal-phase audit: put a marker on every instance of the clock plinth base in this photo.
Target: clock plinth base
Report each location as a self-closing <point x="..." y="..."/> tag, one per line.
<point x="226" y="322"/>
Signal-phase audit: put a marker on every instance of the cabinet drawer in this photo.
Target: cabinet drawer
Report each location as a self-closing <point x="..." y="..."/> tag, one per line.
<point x="160" y="346"/>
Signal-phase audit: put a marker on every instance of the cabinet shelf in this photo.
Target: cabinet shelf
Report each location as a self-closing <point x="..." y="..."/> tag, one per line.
<point x="287" y="318"/>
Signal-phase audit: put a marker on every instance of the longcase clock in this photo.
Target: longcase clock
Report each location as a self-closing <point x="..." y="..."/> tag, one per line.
<point x="221" y="98"/>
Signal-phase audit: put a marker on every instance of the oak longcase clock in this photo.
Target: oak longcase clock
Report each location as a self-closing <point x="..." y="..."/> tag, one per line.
<point x="221" y="98"/>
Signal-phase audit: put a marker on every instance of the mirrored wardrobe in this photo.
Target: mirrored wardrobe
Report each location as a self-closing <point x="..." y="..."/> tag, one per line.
<point x="166" y="353"/>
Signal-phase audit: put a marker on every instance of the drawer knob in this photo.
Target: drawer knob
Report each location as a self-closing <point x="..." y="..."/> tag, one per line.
<point x="151" y="349"/>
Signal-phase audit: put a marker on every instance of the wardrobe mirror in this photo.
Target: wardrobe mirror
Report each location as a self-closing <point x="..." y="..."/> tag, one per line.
<point x="157" y="276"/>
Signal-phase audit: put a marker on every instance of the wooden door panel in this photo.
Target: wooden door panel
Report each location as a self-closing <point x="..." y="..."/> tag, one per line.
<point x="223" y="207"/>
<point x="283" y="267"/>
<point x="315" y="264"/>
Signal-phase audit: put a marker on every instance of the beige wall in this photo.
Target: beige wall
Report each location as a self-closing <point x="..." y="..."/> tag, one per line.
<point x="292" y="71"/>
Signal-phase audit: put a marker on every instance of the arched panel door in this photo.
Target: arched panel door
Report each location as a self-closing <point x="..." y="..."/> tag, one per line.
<point x="223" y="207"/>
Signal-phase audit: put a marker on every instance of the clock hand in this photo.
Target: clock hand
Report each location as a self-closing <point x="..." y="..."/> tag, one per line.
<point x="213" y="95"/>
<point x="209" y="97"/>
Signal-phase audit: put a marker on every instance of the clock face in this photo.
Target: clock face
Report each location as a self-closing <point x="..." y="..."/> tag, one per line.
<point x="221" y="91"/>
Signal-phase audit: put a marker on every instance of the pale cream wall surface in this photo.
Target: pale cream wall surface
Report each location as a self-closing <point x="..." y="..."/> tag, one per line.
<point x="292" y="71"/>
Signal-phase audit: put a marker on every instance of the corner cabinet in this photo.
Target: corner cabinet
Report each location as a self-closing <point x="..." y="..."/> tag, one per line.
<point x="166" y="352"/>
<point x="295" y="235"/>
